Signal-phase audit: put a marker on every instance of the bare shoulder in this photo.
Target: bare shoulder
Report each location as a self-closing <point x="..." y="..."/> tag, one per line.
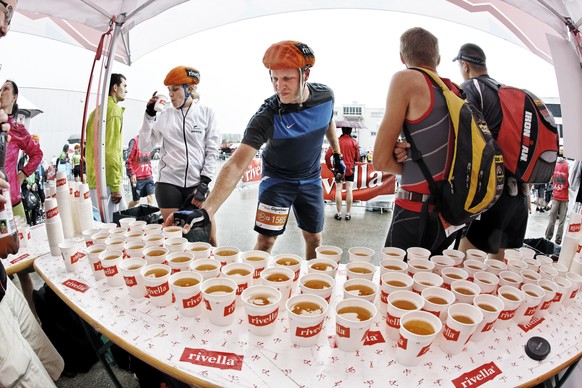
<point x="408" y="80"/>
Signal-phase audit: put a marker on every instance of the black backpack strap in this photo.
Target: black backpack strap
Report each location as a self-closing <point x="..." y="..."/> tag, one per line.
<point x="490" y="83"/>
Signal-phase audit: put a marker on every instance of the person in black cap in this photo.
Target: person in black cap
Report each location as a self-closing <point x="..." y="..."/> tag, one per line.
<point x="504" y="225"/>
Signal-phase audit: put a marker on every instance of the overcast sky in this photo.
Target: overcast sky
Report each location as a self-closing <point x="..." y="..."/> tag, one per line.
<point x="356" y="54"/>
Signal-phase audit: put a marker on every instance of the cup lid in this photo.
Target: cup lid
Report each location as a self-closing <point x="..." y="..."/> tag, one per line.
<point x="537" y="348"/>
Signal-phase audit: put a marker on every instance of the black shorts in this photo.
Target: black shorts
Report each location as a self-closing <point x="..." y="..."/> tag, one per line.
<point x="349" y="178"/>
<point x="143" y="188"/>
<point x="77" y="171"/>
<point x="171" y="196"/>
<point x="502" y="226"/>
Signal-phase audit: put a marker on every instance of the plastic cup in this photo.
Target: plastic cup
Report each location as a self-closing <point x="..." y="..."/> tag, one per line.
<point x="135" y="249"/>
<point x="353" y="320"/>
<point x="360" y="270"/>
<point x="99" y="237"/>
<point x="576" y="280"/>
<point x="290" y="261"/>
<point x="564" y="291"/>
<point x="242" y="274"/>
<point x="154" y="239"/>
<point x="512" y="298"/>
<point x="550" y="288"/>
<point x="279" y="278"/>
<point x="456" y="255"/>
<point x="201" y="250"/>
<point x="392" y="265"/>
<point x="93" y="252"/>
<point x="472" y="266"/>
<point x="87" y="233"/>
<point x="23" y="235"/>
<point x="527" y="253"/>
<point x="307" y="313"/>
<point x="157" y="283"/>
<point x="399" y="303"/>
<point x="417" y="253"/>
<point x="262" y="304"/>
<point x="423" y="280"/>
<point x="156" y="255"/>
<point x="259" y="260"/>
<point x="161" y="103"/>
<point x="419" y="265"/>
<point x="511" y="254"/>
<point x="530" y="277"/>
<point x="361" y="254"/>
<point x="318" y="284"/>
<point x="115" y="244"/>
<point x="186" y="288"/>
<point x="118" y="230"/>
<point x="176" y="244"/>
<point x="452" y="274"/>
<point x="465" y="291"/>
<point x="108" y="226"/>
<point x="561" y="268"/>
<point x="126" y="221"/>
<point x="328" y="267"/>
<point x="360" y="289"/>
<point x="71" y="255"/>
<point x="393" y="281"/>
<point x="544" y="260"/>
<point x="393" y="253"/>
<point x="516" y="265"/>
<point x="490" y="306"/>
<point x="436" y="301"/>
<point x="476" y="254"/>
<point x="441" y="262"/>
<point x="110" y="261"/>
<point x="131" y="272"/>
<point x="329" y="252"/>
<point x="417" y="332"/>
<point x="180" y="261"/>
<point x="532" y="264"/>
<point x="152" y="229"/>
<point x="509" y="278"/>
<point x="533" y="295"/>
<point x="548" y="272"/>
<point x="132" y="236"/>
<point x="172" y="231"/>
<point x="486" y="281"/>
<point x="226" y="255"/>
<point x="495" y="266"/>
<point x="220" y="299"/>
<point x="208" y="268"/>
<point x="462" y="321"/>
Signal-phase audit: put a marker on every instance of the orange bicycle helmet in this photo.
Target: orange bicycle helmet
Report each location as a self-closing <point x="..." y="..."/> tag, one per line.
<point x="288" y="54"/>
<point x="35" y="137"/>
<point x="182" y="75"/>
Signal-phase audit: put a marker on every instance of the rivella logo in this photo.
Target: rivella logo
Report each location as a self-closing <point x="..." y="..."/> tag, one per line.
<point x="52" y="213"/>
<point x="75" y="285"/>
<point x="307" y="332"/>
<point x="220" y="360"/>
<point x="263" y="320"/>
<point x="477" y="376"/>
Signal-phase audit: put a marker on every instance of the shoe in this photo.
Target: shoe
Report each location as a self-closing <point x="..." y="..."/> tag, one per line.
<point x="338" y="216"/>
<point x="348" y="217"/>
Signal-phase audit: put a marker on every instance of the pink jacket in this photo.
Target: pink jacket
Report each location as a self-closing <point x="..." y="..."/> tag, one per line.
<point x="20" y="139"/>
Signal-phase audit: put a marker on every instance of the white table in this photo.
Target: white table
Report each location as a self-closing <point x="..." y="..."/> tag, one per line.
<point x="36" y="247"/>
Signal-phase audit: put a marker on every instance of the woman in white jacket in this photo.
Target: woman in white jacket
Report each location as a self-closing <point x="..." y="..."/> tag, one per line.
<point x="190" y="143"/>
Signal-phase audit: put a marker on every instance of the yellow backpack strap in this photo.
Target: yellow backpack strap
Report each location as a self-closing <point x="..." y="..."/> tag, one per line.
<point x="435" y="78"/>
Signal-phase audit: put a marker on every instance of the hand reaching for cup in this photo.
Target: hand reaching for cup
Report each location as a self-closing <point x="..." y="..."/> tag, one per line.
<point x="151" y="104"/>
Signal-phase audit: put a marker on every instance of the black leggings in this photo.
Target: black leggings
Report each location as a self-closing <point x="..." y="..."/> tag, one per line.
<point x="171" y="196"/>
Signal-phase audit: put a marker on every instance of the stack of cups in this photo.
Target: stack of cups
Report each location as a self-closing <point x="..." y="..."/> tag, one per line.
<point x="64" y="201"/>
<point x="85" y="208"/>
<point x="75" y="208"/>
<point x="54" y="227"/>
<point x="23" y="231"/>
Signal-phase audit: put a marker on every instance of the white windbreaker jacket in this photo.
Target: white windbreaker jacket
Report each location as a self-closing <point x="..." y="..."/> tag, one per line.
<point x="189" y="144"/>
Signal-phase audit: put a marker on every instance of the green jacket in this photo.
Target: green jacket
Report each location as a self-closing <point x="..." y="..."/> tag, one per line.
<point x="113" y="147"/>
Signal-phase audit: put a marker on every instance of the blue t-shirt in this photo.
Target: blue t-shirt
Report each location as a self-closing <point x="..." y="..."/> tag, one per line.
<point x="293" y="133"/>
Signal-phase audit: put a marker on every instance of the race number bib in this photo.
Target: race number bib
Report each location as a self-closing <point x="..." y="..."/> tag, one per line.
<point x="271" y="217"/>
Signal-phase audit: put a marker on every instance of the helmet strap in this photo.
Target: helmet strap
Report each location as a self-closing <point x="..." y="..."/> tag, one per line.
<point x="186" y="95"/>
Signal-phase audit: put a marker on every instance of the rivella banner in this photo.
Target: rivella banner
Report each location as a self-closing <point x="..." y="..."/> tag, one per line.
<point x="368" y="183"/>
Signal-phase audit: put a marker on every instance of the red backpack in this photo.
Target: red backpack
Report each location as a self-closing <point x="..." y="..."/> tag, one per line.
<point x="528" y="136"/>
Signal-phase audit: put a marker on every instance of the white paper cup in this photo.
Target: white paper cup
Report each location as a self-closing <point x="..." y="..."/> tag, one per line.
<point x="465" y="291"/>
<point x="259" y="260"/>
<point x="490" y="306"/>
<point x="530" y="277"/>
<point x="115" y="244"/>
<point x="512" y="298"/>
<point x="180" y="261"/>
<point x="151" y="229"/>
<point x="201" y="250"/>
<point x="393" y="253"/>
<point x="423" y="280"/>
<point x="353" y="320"/>
<point x="361" y="254"/>
<point x="108" y="226"/>
<point x="532" y="264"/>
<point x="318" y="284"/>
<point x="157" y="283"/>
<point x="516" y="265"/>
<point x="154" y="239"/>
<point x="563" y="293"/>
<point x="561" y="268"/>
<point x="418" y="330"/>
<point x="510" y="278"/>
<point x="99" y="237"/>
<point x="220" y="299"/>
<point x="161" y="102"/>
<point x="392" y="265"/>
<point x="328" y="267"/>
<point x="548" y="272"/>
<point x="135" y="249"/>
<point x="118" y="230"/>
<point x="550" y="288"/>
<point x="533" y="298"/>
<point x="156" y="255"/>
<point x="208" y="268"/>
<point x="93" y="252"/>
<point x="393" y="281"/>
<point x="242" y="274"/>
<point x="126" y="221"/>
<point x="290" y="261"/>
<point x="71" y="255"/>
<point x="262" y="306"/>
<point x="87" y="233"/>
<point x="576" y="280"/>
<point x="436" y="301"/>
<point x="495" y="266"/>
<point x="527" y="253"/>
<point x="306" y="314"/>
<point x="456" y="255"/>
<point x="132" y="236"/>
<point x="23" y="235"/>
<point x="360" y="270"/>
<point x="510" y="254"/>
<point x="172" y="231"/>
<point x="131" y="272"/>
<point x="417" y="253"/>
<point x="486" y="281"/>
<point x="452" y="274"/>
<point x="472" y="266"/>
<point x="476" y="254"/>
<point x="544" y="260"/>
<point x="279" y="278"/>
<point x="399" y="303"/>
<point x="360" y="289"/>
<point x="110" y="261"/>
<point x="186" y="288"/>
<point x="226" y="255"/>
<point x="440" y="262"/>
<point x="329" y="252"/>
<point x="462" y="321"/>
<point x="176" y="244"/>
<point x="419" y="265"/>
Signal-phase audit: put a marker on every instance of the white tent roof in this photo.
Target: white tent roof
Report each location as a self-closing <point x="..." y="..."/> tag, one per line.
<point x="27" y="108"/>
